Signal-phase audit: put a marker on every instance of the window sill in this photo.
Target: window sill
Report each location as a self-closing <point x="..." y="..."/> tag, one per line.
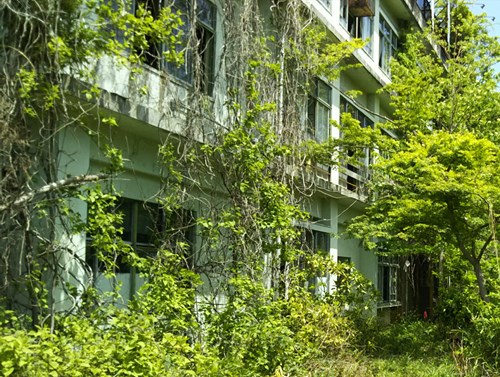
<point x="326" y="7"/>
<point x="383" y="305"/>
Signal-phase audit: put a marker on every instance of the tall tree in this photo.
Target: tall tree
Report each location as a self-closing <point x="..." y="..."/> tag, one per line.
<point x="437" y="188"/>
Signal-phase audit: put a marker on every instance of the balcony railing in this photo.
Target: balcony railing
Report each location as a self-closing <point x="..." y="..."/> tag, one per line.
<point x="354" y="178"/>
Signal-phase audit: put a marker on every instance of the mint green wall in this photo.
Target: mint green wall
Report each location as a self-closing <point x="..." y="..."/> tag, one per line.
<point x="366" y="262"/>
<point x="74" y="160"/>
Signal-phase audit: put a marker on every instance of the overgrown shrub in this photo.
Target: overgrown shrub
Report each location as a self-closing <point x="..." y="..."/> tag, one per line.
<point x="257" y="335"/>
<point x="472" y="326"/>
<point x="126" y="345"/>
<point x="159" y="334"/>
<point x="410" y="336"/>
<point x="479" y="346"/>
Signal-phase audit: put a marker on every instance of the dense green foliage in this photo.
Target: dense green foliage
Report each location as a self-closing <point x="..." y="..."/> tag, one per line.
<point x="435" y="189"/>
<point x="259" y="322"/>
<point x="158" y="334"/>
<point x="265" y="318"/>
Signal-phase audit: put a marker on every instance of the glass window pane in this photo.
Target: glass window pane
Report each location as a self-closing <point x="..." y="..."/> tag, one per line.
<point x="146" y="223"/>
<point x="206" y="12"/>
<point x="366" y="32"/>
<point x="343" y="12"/>
<point x="183" y="71"/>
<point x="326" y="3"/>
<point x="126" y="208"/>
<point x="311" y="115"/>
<point x="388" y="45"/>
<point x="322" y="241"/>
<point x="324" y="92"/>
<point x="322" y="123"/>
<point x="181" y="5"/>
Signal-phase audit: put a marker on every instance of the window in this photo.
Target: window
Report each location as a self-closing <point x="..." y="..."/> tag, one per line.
<point x="348" y="107"/>
<point x="318" y="121"/>
<point x="341" y="284"/>
<point x="146" y="228"/>
<point x="179" y="236"/>
<point x="318" y="111"/>
<point x="345" y="260"/>
<point x="199" y="48"/>
<point x="388" y="45"/>
<point x="388" y="269"/>
<point x="362" y="28"/>
<point x="326" y="4"/>
<point x="358" y="22"/>
<point x="152" y="56"/>
<point x="315" y="241"/>
<point x="205" y="37"/>
<point x="344" y="12"/>
<point x="141" y="222"/>
<point x="425" y="6"/>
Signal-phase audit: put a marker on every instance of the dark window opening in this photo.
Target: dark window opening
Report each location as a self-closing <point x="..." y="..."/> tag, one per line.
<point x="141" y="223"/>
<point x="314" y="242"/>
<point x="205" y="78"/>
<point x="180" y="236"/>
<point x="198" y="48"/>
<point x="356" y="164"/>
<point x="388" y="269"/>
<point x="341" y="284"/>
<point x="361" y="28"/>
<point x="152" y="55"/>
<point x="146" y="228"/>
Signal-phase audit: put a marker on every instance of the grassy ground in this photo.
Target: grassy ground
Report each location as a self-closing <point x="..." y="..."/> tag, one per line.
<point x="411" y="348"/>
<point x="441" y="366"/>
<point x="396" y="366"/>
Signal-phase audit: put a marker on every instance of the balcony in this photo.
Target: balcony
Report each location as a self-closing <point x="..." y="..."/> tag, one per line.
<point x="361" y="8"/>
<point x="354" y="178"/>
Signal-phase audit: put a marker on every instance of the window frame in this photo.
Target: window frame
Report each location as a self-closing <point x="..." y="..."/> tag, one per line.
<point x="352" y="25"/>
<point x="361" y="167"/>
<point x="388" y="40"/>
<point x="356" y="30"/>
<point x="136" y="213"/>
<point x="130" y="209"/>
<point x="310" y="243"/>
<point x="388" y="270"/>
<point x="339" y="281"/>
<point x="206" y="50"/>
<point x="199" y="48"/>
<point x="327" y="4"/>
<point x="315" y="102"/>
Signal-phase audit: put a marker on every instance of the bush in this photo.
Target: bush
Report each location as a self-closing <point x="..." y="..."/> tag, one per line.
<point x="257" y="335"/>
<point x="480" y="345"/>
<point x="411" y="337"/>
<point x="254" y="335"/>
<point x="126" y="345"/>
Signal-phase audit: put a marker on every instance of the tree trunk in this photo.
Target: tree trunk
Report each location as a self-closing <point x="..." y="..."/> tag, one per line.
<point x="478" y="271"/>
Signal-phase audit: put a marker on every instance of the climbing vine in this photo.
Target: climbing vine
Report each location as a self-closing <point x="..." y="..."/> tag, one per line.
<point x="239" y="156"/>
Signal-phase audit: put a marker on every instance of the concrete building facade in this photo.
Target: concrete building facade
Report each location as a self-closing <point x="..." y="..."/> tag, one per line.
<point x="164" y="110"/>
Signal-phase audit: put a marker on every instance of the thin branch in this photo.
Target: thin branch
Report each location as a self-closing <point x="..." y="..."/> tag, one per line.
<point x="73" y="181"/>
<point x="485" y="245"/>
<point x="460" y="243"/>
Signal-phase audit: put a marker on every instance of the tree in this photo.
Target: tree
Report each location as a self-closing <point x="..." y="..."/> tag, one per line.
<point x="440" y="193"/>
<point x="436" y="189"/>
